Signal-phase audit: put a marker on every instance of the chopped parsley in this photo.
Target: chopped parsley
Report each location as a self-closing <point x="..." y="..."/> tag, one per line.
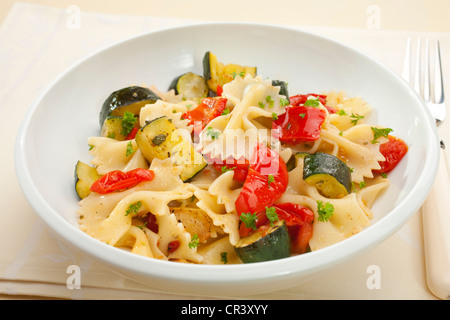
<point x="271" y="214"/>
<point x="312" y="102"/>
<point x="194" y="242"/>
<point x="128" y="122"/>
<point x="270" y="101"/>
<point x="226" y="169"/>
<point x="211" y="133"/>
<point x="240" y="74"/>
<point x="270" y="179"/>
<point x="378" y="133"/>
<point x="225" y="112"/>
<point x="356" y="118"/>
<point x="130" y="149"/>
<point x="325" y="211"/>
<point x="249" y="219"/>
<point x="274" y="116"/>
<point x="134" y="208"/>
<point x="224" y="257"/>
<point x="342" y="112"/>
<point x="302" y="115"/>
<point x="284" y="102"/>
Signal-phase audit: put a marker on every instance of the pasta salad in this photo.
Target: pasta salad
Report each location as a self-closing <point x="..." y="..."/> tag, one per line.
<point x="228" y="167"/>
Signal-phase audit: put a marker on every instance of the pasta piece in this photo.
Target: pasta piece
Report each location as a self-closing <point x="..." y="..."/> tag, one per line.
<point x="110" y="154"/>
<point x="237" y="133"/>
<point x="227" y="222"/>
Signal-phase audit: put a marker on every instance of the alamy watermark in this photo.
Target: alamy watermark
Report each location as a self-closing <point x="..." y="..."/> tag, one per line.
<point x="73" y="21"/>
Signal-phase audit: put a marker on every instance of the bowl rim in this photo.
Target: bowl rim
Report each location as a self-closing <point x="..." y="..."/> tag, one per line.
<point x="373" y="234"/>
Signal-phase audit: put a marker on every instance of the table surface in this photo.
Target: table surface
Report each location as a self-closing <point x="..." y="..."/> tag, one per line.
<point x="344" y="20"/>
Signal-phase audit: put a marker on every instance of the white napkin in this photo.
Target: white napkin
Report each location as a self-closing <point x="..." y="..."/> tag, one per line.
<point x="37" y="43"/>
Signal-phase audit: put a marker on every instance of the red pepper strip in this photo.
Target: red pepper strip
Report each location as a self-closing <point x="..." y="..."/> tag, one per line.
<point x="240" y="167"/>
<point x="173" y="245"/>
<point x="266" y="181"/>
<point x="118" y="180"/>
<point x="393" y="150"/>
<point x="206" y="111"/>
<point x="219" y="90"/>
<point x="298" y="124"/>
<point x="132" y="134"/>
<point x="298" y="219"/>
<point x="300" y="99"/>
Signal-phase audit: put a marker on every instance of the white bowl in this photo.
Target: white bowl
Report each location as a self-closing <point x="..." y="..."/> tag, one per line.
<point x="55" y="131"/>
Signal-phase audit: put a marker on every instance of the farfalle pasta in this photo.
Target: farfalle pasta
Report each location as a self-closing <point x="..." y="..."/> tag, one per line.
<point x="245" y="174"/>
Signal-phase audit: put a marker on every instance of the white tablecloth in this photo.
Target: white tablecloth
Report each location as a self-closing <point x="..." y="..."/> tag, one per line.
<point x="37" y="43"/>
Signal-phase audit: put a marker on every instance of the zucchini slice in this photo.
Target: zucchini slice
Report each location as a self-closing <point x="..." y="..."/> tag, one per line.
<point x="190" y="86"/>
<point x="160" y="139"/>
<point x="218" y="74"/>
<point x="85" y="175"/>
<point x="329" y="174"/>
<point x="265" y="244"/>
<point x="283" y="87"/>
<point x="112" y="128"/>
<point x="130" y="99"/>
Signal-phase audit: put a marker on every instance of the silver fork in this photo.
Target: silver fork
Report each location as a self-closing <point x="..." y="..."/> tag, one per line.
<point x="436" y="208"/>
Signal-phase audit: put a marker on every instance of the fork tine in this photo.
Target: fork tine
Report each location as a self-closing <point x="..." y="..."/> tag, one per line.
<point x="406" y="75"/>
<point x="417" y="78"/>
<point x="426" y="74"/>
<point x="439" y="86"/>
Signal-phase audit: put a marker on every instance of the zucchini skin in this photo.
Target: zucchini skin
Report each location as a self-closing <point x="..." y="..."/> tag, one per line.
<point x="283" y="87"/>
<point x="217" y="74"/>
<point x="190" y="85"/>
<point x="265" y="244"/>
<point x="84" y="175"/>
<point x="159" y="139"/>
<point x="328" y="173"/>
<point x="130" y="99"/>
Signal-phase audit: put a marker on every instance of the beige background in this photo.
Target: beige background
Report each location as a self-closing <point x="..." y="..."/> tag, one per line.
<point x="408" y="15"/>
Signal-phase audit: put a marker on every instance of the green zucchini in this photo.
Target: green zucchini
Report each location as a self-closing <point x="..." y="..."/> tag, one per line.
<point x="329" y="174"/>
<point x="85" y="175"/>
<point x="265" y="244"/>
<point x="217" y="74"/>
<point x="190" y="86"/>
<point x="293" y="160"/>
<point x="130" y="99"/>
<point x="283" y="87"/>
<point x="112" y="128"/>
<point x="160" y="139"/>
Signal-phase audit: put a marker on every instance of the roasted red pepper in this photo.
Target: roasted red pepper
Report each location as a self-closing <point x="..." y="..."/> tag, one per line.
<point x="266" y="181"/>
<point x="206" y="111"/>
<point x="239" y="167"/>
<point x="298" y="124"/>
<point x="118" y="180"/>
<point x="300" y="99"/>
<point x="298" y="219"/>
<point x="393" y="150"/>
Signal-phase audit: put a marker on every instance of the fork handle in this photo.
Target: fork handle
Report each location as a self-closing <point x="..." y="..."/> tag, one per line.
<point x="436" y="230"/>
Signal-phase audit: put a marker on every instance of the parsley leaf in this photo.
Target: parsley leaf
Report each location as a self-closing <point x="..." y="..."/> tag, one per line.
<point x="270" y="179"/>
<point x="225" y="112"/>
<point x="274" y="116"/>
<point x="128" y="122"/>
<point x="226" y="169"/>
<point x="284" y="102"/>
<point x="249" y="219"/>
<point x="378" y="133"/>
<point x="356" y="118"/>
<point x="213" y="134"/>
<point x="194" y="242"/>
<point x="325" y="211"/>
<point x="270" y="101"/>
<point x="130" y="149"/>
<point x="271" y="214"/>
<point x="224" y="257"/>
<point x="312" y="102"/>
<point x="134" y="208"/>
